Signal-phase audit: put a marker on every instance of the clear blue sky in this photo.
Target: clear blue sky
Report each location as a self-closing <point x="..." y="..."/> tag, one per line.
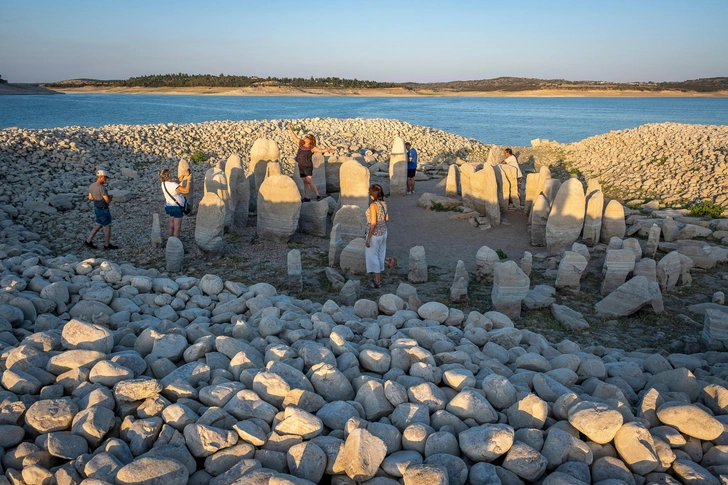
<point x="422" y="41"/>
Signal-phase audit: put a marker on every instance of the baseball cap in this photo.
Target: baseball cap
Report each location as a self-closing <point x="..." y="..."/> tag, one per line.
<point x="102" y="173"/>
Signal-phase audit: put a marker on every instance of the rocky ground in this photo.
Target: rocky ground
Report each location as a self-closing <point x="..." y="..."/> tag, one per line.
<point x="116" y="372"/>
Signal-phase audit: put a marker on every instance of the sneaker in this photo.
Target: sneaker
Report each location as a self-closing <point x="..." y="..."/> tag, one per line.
<point x="305" y="199"/>
<point x="89" y="245"/>
<point x="111" y="246"/>
<point x="318" y="197"/>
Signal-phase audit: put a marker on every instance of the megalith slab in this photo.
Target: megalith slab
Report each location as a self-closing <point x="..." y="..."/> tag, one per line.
<point x="593" y="218"/>
<point x="613" y="223"/>
<point x="352" y="221"/>
<point x="210" y="224"/>
<point x="451" y="184"/>
<point x="354" y="180"/>
<point x="566" y="218"/>
<point x="397" y="168"/>
<point x="484" y="194"/>
<point x="510" y="287"/>
<point x="539" y="218"/>
<point x="279" y="207"/>
<point x="175" y="255"/>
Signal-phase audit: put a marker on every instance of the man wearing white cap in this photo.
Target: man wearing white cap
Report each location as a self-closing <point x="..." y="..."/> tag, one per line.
<point x="101" y="198"/>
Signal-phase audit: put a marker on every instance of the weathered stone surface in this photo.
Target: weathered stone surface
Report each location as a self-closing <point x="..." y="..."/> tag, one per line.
<point x="152" y="471"/>
<point x="466" y="174"/>
<point x="156" y="237"/>
<point x="362" y="455"/>
<point x="627" y="299"/>
<point x="525" y="462"/>
<point x="690" y="420"/>
<point x="239" y="189"/>
<point x="539" y="218"/>
<point x="210" y="224"/>
<point x="509" y="191"/>
<point x="597" y="421"/>
<point x="417" y="265"/>
<point x="532" y="191"/>
<point x="279" y="207"/>
<point x="571" y="268"/>
<point x="397" y="168"/>
<point x="634" y="444"/>
<point x="486" y="442"/>
<point x="613" y="224"/>
<point x="353" y="259"/>
<point x="669" y="271"/>
<point x="336" y="245"/>
<point x="566" y="218"/>
<point x="354" y="180"/>
<point x="174" y="254"/>
<point x="459" y="288"/>
<point x="568" y="317"/>
<point x="593" y="218"/>
<point x="617" y="266"/>
<point x="295" y="271"/>
<point x="263" y="152"/>
<point x="313" y="217"/>
<point x="484" y="194"/>
<point x="510" y="287"/>
<point x="485" y="260"/>
<point x="451" y="184"/>
<point x="352" y="223"/>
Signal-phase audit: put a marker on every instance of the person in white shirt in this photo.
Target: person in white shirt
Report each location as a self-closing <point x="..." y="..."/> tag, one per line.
<point x="174" y="201"/>
<point x="512" y="161"/>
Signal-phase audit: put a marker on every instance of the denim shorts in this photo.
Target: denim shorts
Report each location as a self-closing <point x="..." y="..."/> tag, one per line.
<point x="174" y="211"/>
<point x="103" y="216"/>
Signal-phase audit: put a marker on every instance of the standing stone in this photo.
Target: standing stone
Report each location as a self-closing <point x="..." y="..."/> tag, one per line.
<point x="353" y="222"/>
<point x="156" y="231"/>
<point x="715" y="326"/>
<point x="613" y="223"/>
<point x="349" y="293"/>
<point x="544" y="173"/>
<point x="617" y="266"/>
<point x="459" y="288"/>
<point x="571" y="268"/>
<point x="527" y="263"/>
<point x="646" y="267"/>
<point x="279" y="206"/>
<point x="183" y="167"/>
<point x="510" y="287"/>
<point x="467" y="171"/>
<point x="495" y="156"/>
<point x="353" y="259"/>
<point x="239" y="189"/>
<point x="295" y="272"/>
<point x="210" y="224"/>
<point x="354" y="179"/>
<point x="313" y="217"/>
<point x="532" y="191"/>
<point x="451" y="185"/>
<point x="592" y="185"/>
<point x="272" y="168"/>
<point x="484" y="193"/>
<point x="668" y="271"/>
<point x="336" y="245"/>
<point x="633" y="245"/>
<point x="220" y="186"/>
<point x="566" y="218"/>
<point x="417" y="265"/>
<point x="332" y="170"/>
<point x="551" y="187"/>
<point x="262" y="152"/>
<point x="485" y="261"/>
<point x="175" y="255"/>
<point x="670" y="229"/>
<point x="653" y="240"/>
<point x="508" y="184"/>
<point x="593" y="217"/>
<point x="397" y="168"/>
<point x="539" y="219"/>
<point x="319" y="172"/>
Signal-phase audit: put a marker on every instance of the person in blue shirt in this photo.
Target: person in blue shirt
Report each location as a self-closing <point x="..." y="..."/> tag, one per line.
<point x="411" y="167"/>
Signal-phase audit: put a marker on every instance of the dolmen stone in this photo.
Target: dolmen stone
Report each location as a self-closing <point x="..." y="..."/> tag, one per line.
<point x="451" y="184"/>
<point x="397" y="168"/>
<point x="175" y="255"/>
<point x="313" y="217"/>
<point x="593" y="218"/>
<point x="353" y="258"/>
<point x="613" y="223"/>
<point x="617" y="266"/>
<point x="566" y="219"/>
<point x="263" y="152"/>
<point x="626" y="299"/>
<point x="210" y="224"/>
<point x="484" y="194"/>
<point x="417" y="265"/>
<point x="352" y="222"/>
<point x="571" y="268"/>
<point x="539" y="219"/>
<point x="485" y="261"/>
<point x="354" y="179"/>
<point x="510" y="287"/>
<point x="279" y="207"/>
<point x="459" y="288"/>
<point x="239" y="189"/>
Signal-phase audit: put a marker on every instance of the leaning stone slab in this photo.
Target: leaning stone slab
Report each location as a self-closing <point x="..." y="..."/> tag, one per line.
<point x="510" y="287"/>
<point x="210" y="224"/>
<point x="653" y="240"/>
<point x="627" y="299"/>
<point x="279" y="207"/>
<point x="568" y="317"/>
<point x="566" y="218"/>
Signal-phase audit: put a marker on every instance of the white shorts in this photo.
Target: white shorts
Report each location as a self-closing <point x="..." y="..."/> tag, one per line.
<point x="375" y="253"/>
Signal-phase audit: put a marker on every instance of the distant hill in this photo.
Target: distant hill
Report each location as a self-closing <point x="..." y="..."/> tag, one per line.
<point x="13" y="89"/>
<point x="504" y="84"/>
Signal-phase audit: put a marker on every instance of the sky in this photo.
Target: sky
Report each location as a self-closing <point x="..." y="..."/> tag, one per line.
<point x="388" y="41"/>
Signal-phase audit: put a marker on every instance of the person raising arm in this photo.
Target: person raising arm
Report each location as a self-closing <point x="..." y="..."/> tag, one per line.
<point x="304" y="159"/>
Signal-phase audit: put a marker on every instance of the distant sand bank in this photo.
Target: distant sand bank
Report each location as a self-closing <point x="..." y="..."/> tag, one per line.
<point x="390" y="92"/>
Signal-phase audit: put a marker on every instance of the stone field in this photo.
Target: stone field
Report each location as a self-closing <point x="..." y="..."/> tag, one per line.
<point x="547" y="334"/>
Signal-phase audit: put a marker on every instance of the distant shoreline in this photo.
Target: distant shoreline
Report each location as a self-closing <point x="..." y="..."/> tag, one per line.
<point x="390" y="92"/>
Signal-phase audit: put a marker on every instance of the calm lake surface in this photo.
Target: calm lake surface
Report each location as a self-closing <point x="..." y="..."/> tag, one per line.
<point x="506" y="121"/>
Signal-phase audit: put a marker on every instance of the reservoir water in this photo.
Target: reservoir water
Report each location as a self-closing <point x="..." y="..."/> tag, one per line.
<point x="505" y="120"/>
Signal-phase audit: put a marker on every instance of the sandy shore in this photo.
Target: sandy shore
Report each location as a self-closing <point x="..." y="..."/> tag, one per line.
<point x="390" y="92"/>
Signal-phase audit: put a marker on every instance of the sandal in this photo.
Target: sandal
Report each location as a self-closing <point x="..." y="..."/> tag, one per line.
<point x="375" y="285"/>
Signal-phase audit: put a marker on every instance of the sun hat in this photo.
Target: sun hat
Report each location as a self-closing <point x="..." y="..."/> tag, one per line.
<point x="102" y="173"/>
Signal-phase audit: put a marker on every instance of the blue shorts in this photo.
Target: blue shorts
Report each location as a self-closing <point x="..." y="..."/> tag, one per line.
<point x="103" y="216"/>
<point x="174" y="211"/>
<point x="411" y="172"/>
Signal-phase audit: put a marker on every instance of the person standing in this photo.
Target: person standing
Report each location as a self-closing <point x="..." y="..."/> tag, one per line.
<point x="513" y="162"/>
<point x="304" y="160"/>
<point x="101" y="199"/>
<point x="174" y="201"/>
<point x="376" y="241"/>
<point x="411" y="167"/>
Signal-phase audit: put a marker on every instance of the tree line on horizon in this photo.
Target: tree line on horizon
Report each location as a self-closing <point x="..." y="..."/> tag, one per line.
<point x="181" y="80"/>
